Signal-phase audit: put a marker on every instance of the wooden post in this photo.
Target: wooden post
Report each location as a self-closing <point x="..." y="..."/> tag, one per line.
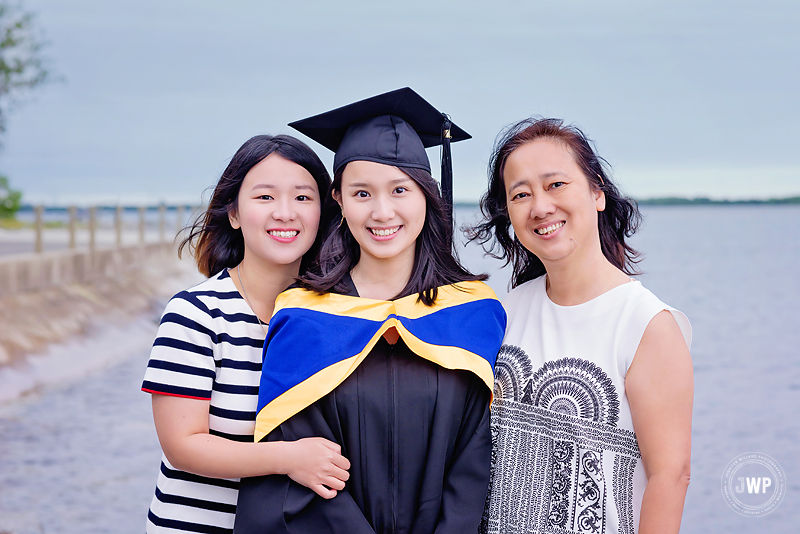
<point x="118" y="225"/>
<point x="92" y="228"/>
<point x="161" y="223"/>
<point x="142" y="211"/>
<point x="179" y="216"/>
<point x="39" y="246"/>
<point x="71" y="226"/>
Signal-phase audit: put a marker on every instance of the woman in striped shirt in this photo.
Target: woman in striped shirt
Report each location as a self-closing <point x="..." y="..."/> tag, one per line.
<point x="258" y="233"/>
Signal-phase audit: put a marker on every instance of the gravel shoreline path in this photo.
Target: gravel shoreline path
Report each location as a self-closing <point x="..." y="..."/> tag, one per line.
<point x="82" y="457"/>
<point x="78" y="450"/>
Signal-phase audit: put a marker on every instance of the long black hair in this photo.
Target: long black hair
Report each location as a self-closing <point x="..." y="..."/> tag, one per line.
<point x="435" y="260"/>
<point x="618" y="221"/>
<point x="213" y="242"/>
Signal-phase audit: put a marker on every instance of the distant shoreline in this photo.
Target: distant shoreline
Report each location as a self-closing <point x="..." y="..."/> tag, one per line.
<point x="696" y="201"/>
<point x="704" y="201"/>
<point x="659" y="201"/>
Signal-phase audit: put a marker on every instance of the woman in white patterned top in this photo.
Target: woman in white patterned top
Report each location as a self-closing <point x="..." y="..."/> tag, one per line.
<point x="591" y="421"/>
<point x="258" y="233"/>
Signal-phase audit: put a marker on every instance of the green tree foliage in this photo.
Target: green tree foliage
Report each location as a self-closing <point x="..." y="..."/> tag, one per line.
<point x="22" y="66"/>
<point x="9" y="199"/>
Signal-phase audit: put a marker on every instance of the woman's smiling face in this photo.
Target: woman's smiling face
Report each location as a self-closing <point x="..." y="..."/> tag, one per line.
<point x="552" y="207"/>
<point x="384" y="209"/>
<point x="278" y="210"/>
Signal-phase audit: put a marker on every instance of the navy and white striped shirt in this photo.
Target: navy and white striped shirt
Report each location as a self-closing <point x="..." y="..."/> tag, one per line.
<point x="208" y="347"/>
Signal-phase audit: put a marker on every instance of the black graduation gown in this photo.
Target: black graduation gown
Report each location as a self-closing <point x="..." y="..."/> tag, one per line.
<point x="417" y="437"/>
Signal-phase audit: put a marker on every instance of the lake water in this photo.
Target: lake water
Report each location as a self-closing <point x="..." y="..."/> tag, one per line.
<point x="82" y="456"/>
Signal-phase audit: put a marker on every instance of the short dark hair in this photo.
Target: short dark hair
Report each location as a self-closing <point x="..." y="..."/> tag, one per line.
<point x="619" y="220"/>
<point x="435" y="260"/>
<point x="213" y="242"/>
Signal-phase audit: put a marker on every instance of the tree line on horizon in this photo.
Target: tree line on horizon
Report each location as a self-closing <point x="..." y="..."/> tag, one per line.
<point x="704" y="201"/>
<point x="695" y="201"/>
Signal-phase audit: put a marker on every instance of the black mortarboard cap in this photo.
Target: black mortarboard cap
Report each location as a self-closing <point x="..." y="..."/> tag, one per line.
<point x="394" y="128"/>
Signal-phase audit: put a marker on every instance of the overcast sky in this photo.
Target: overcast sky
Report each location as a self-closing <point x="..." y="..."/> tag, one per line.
<point x="687" y="97"/>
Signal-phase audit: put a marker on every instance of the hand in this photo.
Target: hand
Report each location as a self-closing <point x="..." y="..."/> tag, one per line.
<point x="317" y="464"/>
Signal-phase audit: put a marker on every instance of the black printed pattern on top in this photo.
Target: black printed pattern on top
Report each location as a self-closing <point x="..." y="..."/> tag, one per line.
<point x="560" y="464"/>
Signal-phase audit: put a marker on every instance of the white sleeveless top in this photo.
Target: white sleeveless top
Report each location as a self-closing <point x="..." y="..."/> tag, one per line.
<point x="565" y="456"/>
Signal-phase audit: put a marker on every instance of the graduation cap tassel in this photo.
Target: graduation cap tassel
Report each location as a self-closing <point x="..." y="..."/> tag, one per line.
<point x="447" y="165"/>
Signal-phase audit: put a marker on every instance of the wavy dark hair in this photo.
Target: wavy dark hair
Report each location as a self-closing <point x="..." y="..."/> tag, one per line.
<point x="212" y="241"/>
<point x="619" y="220"/>
<point x="435" y="259"/>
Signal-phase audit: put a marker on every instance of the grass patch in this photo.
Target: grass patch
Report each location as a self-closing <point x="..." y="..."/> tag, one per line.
<point x="11" y="223"/>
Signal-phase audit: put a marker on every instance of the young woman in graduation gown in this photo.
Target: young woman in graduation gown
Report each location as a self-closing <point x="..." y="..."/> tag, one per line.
<point x="388" y="350"/>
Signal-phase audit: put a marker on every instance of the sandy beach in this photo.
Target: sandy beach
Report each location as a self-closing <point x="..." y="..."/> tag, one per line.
<point x="38" y="328"/>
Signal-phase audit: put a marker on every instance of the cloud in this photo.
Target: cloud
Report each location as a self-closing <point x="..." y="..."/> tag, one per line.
<point x="160" y="94"/>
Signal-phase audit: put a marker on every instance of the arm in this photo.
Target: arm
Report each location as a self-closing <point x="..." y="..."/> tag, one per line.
<point x="182" y="427"/>
<point x="660" y="386"/>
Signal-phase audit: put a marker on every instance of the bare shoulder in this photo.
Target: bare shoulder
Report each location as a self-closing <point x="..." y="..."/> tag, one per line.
<point x="663" y="328"/>
<point x="662" y="356"/>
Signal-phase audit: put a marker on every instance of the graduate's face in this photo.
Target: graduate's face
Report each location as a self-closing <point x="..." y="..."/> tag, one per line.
<point x="384" y="209"/>
<point x="552" y="207"/>
<point x="278" y="211"/>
